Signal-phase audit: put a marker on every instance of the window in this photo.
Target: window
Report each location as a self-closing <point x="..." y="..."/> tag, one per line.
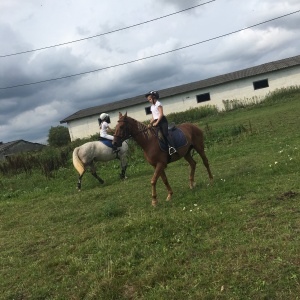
<point x="203" y="97"/>
<point x="260" y="84"/>
<point x="147" y="110"/>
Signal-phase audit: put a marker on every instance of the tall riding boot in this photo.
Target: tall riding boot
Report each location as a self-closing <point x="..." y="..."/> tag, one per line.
<point x="172" y="149"/>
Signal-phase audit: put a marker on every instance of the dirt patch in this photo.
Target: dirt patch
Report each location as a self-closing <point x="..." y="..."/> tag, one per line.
<point x="287" y="195"/>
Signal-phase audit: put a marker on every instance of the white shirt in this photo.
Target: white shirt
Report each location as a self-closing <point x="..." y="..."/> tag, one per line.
<point x="154" y="110"/>
<point x="103" y="131"/>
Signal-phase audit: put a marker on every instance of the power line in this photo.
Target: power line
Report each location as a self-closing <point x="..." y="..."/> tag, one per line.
<point x="109" y="32"/>
<point x="151" y="56"/>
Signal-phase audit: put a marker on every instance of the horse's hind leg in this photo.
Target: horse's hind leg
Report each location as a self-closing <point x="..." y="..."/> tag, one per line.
<point x="79" y="182"/>
<point x="192" y="164"/>
<point x="200" y="150"/>
<point x="93" y="171"/>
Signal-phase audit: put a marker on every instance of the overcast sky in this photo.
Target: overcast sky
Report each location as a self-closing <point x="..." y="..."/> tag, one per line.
<point x="29" y="111"/>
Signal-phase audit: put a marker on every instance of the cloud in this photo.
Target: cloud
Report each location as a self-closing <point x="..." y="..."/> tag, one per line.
<point x="179" y="4"/>
<point x="28" y="112"/>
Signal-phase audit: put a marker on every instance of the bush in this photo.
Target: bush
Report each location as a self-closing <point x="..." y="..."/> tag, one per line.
<point x="52" y="159"/>
<point x="59" y="136"/>
<point x="236" y="104"/>
<point x="193" y="114"/>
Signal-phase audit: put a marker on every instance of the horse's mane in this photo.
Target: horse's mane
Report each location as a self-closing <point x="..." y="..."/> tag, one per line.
<point x="141" y="127"/>
<point x="139" y="124"/>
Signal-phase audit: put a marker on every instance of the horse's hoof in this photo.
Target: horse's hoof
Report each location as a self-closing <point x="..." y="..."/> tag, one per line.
<point x="169" y="198"/>
<point x="154" y="203"/>
<point x="192" y="185"/>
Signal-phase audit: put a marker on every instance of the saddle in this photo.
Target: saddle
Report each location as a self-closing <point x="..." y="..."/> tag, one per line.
<point x="176" y="135"/>
<point x="106" y="142"/>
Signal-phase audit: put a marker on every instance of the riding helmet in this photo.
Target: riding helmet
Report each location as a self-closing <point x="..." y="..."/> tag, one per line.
<point x="103" y="116"/>
<point x="152" y="93"/>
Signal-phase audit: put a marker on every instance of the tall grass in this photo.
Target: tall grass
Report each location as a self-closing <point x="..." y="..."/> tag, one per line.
<point x="47" y="161"/>
<point x="237" y="103"/>
<point x="193" y="114"/>
<point x="280" y="95"/>
<point x="277" y="96"/>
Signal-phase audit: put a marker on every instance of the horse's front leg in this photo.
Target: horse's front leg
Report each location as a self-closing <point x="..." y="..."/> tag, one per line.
<point x="157" y="173"/>
<point x="166" y="183"/>
<point x="123" y="173"/>
<point x="123" y="167"/>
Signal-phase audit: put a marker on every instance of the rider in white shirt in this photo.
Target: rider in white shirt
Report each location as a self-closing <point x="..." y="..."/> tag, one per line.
<point x="104" y="120"/>
<point x="158" y="118"/>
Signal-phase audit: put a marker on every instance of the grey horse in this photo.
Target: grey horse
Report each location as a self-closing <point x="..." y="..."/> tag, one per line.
<point x="86" y="155"/>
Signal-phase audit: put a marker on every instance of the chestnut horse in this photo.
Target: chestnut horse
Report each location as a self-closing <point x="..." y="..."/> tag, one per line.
<point x="148" y="139"/>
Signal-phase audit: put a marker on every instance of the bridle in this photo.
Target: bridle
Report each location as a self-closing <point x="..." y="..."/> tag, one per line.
<point x="127" y="134"/>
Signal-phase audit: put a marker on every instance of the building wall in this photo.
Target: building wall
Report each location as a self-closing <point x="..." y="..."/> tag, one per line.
<point x="239" y="89"/>
<point x="83" y="128"/>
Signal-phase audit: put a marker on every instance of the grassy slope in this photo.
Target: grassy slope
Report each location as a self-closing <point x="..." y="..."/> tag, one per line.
<point x="238" y="239"/>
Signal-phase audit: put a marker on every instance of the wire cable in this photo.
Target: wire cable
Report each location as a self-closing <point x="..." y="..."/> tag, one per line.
<point x="148" y="57"/>
<point x="109" y="32"/>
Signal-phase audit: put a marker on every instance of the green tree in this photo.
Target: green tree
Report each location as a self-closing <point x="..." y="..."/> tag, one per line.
<point x="58" y="136"/>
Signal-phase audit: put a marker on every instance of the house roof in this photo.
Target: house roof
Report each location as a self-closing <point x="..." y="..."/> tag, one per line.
<point x="5" y="146"/>
<point x="256" y="70"/>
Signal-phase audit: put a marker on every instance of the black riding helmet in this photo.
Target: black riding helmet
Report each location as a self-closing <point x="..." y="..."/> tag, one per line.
<point x="152" y="93"/>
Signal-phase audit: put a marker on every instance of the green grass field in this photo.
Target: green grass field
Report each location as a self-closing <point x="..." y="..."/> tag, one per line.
<point x="236" y="239"/>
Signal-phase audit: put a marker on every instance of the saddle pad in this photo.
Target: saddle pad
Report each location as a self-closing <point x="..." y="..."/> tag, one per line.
<point x="108" y="143"/>
<point x="178" y="138"/>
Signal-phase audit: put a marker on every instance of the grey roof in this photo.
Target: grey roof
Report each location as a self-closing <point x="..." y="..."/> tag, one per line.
<point x="5" y="146"/>
<point x="256" y="70"/>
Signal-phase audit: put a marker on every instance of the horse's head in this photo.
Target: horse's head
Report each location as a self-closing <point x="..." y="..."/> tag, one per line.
<point x="122" y="131"/>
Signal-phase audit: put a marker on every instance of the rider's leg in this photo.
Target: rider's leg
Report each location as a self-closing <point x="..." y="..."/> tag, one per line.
<point x="114" y="147"/>
<point x="165" y="132"/>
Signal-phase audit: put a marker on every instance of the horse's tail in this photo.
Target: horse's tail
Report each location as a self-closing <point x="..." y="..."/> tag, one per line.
<point x="77" y="162"/>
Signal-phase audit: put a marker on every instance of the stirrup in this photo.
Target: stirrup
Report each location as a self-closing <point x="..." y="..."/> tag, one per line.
<point x="172" y="150"/>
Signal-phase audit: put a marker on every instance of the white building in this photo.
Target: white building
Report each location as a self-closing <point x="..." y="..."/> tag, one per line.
<point x="248" y="83"/>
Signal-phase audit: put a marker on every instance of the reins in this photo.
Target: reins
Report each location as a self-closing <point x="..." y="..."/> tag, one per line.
<point x="127" y="130"/>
